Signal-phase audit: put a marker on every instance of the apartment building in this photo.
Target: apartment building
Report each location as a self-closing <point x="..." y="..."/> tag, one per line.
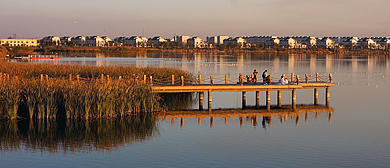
<point x="19" y="42"/>
<point x="196" y="42"/>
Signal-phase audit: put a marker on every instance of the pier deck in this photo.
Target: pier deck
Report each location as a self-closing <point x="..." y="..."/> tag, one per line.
<point x="244" y="87"/>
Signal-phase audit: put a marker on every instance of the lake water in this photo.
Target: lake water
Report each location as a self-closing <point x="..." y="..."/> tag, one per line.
<point x="353" y="132"/>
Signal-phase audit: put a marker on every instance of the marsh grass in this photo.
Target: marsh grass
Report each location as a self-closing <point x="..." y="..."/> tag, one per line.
<point x="91" y="97"/>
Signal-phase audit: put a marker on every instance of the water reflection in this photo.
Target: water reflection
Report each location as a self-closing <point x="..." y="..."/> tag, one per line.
<point x="66" y="136"/>
<point x="73" y="136"/>
<point x="251" y="116"/>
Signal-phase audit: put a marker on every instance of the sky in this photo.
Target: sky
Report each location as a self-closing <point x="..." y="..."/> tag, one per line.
<point x="40" y="18"/>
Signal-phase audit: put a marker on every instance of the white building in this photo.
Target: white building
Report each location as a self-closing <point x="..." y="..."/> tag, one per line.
<point x="239" y="41"/>
<point x="79" y="40"/>
<point x="157" y="40"/>
<point x="382" y="42"/>
<point x="288" y="42"/>
<point x="349" y="41"/>
<point x="216" y="39"/>
<point x="326" y="42"/>
<point x="196" y="42"/>
<point x="265" y="40"/>
<point x="181" y="38"/>
<point x="136" y="41"/>
<point x="305" y="41"/>
<point x="19" y="42"/>
<point x="95" y="41"/>
<point x="53" y="39"/>
<point x="66" y="39"/>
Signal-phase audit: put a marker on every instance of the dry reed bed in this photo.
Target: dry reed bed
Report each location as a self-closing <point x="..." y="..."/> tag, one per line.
<point x="93" y="97"/>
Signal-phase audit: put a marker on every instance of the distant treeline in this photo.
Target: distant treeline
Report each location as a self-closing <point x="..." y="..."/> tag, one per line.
<point x="21" y="50"/>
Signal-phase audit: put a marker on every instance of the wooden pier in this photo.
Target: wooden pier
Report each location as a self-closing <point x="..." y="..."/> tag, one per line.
<point x="295" y="83"/>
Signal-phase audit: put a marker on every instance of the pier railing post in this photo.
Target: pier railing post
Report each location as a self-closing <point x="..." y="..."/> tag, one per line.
<point x="297" y="79"/>
<point x="211" y="81"/>
<point x="226" y="79"/>
<point x="317" y="77"/>
<point x="200" y="79"/>
<point x="70" y="77"/>
<point x="330" y="78"/>
<point x="307" y="78"/>
<point x="241" y="80"/>
<point x="270" y="80"/>
<point x="182" y="80"/>
<point x="292" y="78"/>
<point x="173" y="79"/>
<point x="78" y="78"/>
<point x="151" y="80"/>
<point x="279" y="98"/>
<point x="144" y="78"/>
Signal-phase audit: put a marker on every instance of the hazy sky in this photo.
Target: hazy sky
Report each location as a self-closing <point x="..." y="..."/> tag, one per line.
<point x="39" y="18"/>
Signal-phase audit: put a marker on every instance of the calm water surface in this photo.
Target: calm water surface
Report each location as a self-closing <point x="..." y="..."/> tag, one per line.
<point x="353" y="132"/>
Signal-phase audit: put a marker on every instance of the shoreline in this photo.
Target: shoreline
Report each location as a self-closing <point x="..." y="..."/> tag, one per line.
<point x="125" y="49"/>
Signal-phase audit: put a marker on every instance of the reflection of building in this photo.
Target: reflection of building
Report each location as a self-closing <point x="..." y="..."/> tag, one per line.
<point x="19" y="42"/>
<point x="313" y="63"/>
<point x="329" y="63"/>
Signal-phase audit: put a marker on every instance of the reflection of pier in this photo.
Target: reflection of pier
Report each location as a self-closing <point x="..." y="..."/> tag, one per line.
<point x="252" y="114"/>
<point x="241" y="86"/>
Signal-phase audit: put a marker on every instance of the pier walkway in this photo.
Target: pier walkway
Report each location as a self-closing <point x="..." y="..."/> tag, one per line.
<point x="312" y="82"/>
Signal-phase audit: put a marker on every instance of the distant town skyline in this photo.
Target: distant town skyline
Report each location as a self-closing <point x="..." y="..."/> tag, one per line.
<point x="32" y="19"/>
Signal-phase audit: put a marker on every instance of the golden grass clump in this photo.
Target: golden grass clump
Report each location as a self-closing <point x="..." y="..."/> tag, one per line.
<point x="89" y="95"/>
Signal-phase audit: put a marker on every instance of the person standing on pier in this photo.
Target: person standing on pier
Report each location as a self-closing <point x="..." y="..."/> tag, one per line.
<point x="254" y="76"/>
<point x="265" y="77"/>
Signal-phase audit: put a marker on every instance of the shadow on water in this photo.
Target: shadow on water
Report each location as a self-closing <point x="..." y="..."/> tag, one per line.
<point x="70" y="136"/>
<point x="177" y="101"/>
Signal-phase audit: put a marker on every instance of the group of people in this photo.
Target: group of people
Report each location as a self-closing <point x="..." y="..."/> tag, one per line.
<point x="266" y="78"/>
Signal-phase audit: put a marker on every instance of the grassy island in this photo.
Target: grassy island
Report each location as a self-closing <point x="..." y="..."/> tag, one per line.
<point x="86" y="92"/>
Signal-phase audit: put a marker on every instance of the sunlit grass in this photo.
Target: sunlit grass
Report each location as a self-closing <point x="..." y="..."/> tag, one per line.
<point x="91" y="96"/>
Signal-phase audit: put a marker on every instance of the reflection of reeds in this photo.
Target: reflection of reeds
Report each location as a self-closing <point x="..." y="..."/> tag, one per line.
<point x="77" y="135"/>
